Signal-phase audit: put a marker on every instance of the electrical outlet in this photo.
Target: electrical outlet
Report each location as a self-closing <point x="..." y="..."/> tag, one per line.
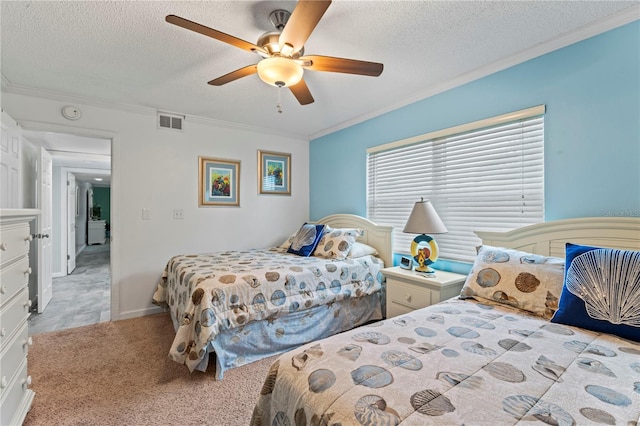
<point x="178" y="214"/>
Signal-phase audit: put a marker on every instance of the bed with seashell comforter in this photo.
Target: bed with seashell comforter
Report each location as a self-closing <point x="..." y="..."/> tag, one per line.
<point x="546" y="329"/>
<point x="238" y="307"/>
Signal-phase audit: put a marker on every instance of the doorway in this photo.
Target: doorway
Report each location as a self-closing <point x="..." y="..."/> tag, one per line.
<point x="81" y="295"/>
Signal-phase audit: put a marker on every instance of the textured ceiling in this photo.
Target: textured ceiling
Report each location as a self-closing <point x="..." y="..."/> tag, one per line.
<point x="124" y="53"/>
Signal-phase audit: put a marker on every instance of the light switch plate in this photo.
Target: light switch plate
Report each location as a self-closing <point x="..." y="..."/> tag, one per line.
<point x="146" y="214"/>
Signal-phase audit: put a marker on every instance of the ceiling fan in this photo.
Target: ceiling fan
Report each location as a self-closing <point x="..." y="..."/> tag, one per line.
<point x="283" y="61"/>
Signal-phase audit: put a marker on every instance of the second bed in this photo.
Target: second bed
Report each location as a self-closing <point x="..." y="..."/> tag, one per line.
<point x="242" y="306"/>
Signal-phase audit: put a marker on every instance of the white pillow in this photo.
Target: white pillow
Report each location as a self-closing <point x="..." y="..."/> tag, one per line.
<point x="359" y="249"/>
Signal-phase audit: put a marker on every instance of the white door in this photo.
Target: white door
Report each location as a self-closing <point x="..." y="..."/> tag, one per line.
<point x="10" y="163"/>
<point x="72" y="212"/>
<point x="45" y="231"/>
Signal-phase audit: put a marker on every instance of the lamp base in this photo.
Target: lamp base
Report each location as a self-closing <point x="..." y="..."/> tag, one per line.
<point x="424" y="250"/>
<point x="424" y="269"/>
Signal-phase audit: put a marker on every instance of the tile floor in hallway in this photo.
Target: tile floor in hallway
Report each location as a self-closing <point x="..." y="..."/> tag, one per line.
<point x="82" y="297"/>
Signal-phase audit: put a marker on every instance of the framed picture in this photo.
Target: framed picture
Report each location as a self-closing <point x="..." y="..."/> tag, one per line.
<point x="274" y="173"/>
<point x="219" y="182"/>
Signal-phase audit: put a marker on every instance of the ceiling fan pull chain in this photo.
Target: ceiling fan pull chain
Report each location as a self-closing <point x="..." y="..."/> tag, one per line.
<point x="279" y="104"/>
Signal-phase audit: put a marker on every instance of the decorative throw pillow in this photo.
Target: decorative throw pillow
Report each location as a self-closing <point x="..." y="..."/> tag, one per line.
<point x="361" y="249"/>
<point x="306" y="239"/>
<point x="336" y="243"/>
<point x="601" y="291"/>
<point x="524" y="280"/>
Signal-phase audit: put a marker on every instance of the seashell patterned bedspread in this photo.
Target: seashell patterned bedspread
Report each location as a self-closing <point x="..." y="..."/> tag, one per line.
<point x="210" y="294"/>
<point x="458" y="362"/>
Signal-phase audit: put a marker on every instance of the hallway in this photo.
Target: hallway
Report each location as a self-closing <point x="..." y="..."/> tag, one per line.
<point x="81" y="298"/>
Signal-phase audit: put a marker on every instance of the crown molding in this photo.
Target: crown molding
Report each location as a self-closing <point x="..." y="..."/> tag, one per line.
<point x="58" y="96"/>
<point x="619" y="19"/>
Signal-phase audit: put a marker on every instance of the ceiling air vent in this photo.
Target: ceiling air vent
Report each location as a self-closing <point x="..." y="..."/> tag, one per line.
<point x="170" y="121"/>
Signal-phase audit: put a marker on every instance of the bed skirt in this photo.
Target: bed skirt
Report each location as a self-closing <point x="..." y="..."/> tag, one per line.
<point x="232" y="348"/>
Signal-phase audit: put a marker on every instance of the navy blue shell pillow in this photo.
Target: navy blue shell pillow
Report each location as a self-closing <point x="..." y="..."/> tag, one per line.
<point x="601" y="291"/>
<point x="306" y="239"/>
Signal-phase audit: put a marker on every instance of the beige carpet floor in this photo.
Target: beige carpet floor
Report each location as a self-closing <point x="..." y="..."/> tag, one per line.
<point x="118" y="373"/>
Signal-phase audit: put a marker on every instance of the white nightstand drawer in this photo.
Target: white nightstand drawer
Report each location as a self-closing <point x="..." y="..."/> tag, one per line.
<point x="13" y="279"/>
<point x="408" y="290"/>
<point x="407" y="295"/>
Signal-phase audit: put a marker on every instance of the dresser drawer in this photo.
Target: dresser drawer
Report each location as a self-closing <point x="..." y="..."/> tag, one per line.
<point x="13" y="279"/>
<point x="407" y="295"/>
<point x="17" y="398"/>
<point x="13" y="314"/>
<point x="14" y="241"/>
<point x="11" y="357"/>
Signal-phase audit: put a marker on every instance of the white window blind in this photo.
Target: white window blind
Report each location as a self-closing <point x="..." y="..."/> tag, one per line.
<point x="488" y="178"/>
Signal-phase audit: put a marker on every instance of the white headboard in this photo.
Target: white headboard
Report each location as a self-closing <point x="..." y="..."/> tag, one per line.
<point x="549" y="238"/>
<point x="378" y="236"/>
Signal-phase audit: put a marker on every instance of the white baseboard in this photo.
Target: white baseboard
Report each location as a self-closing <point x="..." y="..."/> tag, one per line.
<point x="58" y="275"/>
<point x="138" y="313"/>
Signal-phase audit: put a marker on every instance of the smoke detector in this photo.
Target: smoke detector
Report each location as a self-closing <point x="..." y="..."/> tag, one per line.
<point x="71" y="112"/>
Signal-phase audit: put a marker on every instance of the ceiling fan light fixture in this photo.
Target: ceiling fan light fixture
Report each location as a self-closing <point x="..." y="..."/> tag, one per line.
<point x="280" y="72"/>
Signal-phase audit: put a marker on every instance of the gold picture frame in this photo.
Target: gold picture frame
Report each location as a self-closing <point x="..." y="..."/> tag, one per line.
<point x="274" y="173"/>
<point x="218" y="182"/>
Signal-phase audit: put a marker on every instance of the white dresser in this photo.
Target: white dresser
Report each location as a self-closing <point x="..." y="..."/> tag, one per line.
<point x="97" y="232"/>
<point x="15" y="237"/>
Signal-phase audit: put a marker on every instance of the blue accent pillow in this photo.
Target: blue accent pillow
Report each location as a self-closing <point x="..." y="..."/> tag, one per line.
<point x="601" y="291"/>
<point x="306" y="239"/>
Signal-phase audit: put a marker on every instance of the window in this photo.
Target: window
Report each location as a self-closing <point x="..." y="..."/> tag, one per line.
<point x="484" y="175"/>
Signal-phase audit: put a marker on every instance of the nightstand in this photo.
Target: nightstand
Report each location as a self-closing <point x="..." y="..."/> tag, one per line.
<point x="408" y="290"/>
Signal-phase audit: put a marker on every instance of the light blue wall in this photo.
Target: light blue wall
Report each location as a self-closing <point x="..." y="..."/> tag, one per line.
<point x="592" y="129"/>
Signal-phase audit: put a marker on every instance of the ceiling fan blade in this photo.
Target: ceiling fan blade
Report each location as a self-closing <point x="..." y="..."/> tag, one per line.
<point x="210" y="32"/>
<point x="301" y="23"/>
<point x="302" y="93"/>
<point x="348" y="66"/>
<point x="234" y="75"/>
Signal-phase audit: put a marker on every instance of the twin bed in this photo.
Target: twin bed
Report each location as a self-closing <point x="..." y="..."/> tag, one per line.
<point x="237" y="307"/>
<point x="491" y="358"/>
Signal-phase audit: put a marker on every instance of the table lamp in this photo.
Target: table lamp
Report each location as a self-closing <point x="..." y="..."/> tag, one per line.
<point x="424" y="220"/>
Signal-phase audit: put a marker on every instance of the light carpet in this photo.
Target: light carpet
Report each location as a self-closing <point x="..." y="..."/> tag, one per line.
<point x="118" y="373"/>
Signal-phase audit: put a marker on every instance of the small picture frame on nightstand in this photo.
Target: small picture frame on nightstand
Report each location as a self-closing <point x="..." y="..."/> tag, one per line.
<point x="406" y="262"/>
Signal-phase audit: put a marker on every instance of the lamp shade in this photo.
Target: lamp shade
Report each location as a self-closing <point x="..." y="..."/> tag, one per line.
<point x="279" y="71"/>
<point x="424" y="220"/>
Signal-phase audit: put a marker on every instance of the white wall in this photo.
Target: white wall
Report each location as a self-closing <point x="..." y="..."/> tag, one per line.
<point x="157" y="169"/>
